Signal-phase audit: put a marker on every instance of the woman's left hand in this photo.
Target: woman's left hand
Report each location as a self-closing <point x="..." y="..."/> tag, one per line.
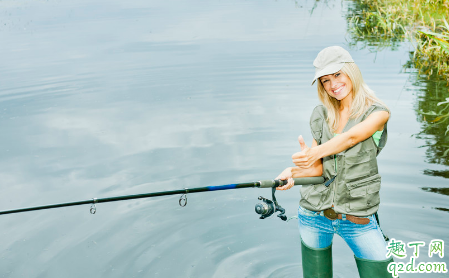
<point x="307" y="157"/>
<point x="286" y="175"/>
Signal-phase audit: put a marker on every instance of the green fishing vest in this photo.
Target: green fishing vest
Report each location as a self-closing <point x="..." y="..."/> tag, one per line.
<point x="355" y="190"/>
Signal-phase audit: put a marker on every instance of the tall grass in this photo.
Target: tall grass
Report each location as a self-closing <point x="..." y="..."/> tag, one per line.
<point x="423" y="22"/>
<point x="432" y="50"/>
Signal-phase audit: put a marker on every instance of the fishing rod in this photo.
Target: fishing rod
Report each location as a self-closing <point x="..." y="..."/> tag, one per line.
<point x="265" y="209"/>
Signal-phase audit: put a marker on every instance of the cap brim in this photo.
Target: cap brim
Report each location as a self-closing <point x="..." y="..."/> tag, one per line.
<point x="328" y="70"/>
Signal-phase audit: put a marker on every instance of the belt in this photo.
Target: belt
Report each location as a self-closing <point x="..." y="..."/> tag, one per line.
<point x="332" y="215"/>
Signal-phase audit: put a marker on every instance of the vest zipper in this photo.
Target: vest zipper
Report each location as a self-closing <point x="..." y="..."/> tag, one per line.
<point x="336" y="174"/>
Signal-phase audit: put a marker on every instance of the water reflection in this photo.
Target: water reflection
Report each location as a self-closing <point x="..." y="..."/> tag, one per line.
<point x="444" y="191"/>
<point x="437" y="173"/>
<point x="442" y="209"/>
<point x="432" y="90"/>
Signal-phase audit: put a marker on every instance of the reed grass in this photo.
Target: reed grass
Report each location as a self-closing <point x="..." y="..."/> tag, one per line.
<point x="423" y="22"/>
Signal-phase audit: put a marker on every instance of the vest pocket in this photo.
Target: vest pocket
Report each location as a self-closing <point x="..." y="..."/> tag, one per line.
<point x="364" y="193"/>
<point x="313" y="193"/>
<point x="359" y="166"/>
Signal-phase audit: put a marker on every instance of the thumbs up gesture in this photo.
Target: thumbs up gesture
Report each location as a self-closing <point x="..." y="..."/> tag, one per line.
<point x="306" y="157"/>
<point x="302" y="143"/>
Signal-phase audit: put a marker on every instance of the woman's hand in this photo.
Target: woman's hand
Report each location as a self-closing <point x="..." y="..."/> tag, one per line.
<point x="307" y="157"/>
<point x="286" y="174"/>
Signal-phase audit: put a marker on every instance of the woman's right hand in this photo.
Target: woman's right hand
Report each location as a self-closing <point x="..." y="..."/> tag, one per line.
<point x="286" y="174"/>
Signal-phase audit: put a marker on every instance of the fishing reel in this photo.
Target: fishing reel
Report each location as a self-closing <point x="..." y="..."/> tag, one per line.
<point x="268" y="207"/>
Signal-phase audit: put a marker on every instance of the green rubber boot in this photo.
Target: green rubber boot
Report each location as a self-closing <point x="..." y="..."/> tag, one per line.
<point x="316" y="262"/>
<point x="373" y="269"/>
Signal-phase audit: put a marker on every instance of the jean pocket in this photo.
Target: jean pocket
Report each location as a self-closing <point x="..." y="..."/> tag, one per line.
<point x="305" y="212"/>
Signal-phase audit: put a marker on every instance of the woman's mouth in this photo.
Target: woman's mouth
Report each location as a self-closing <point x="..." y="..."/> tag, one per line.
<point x="337" y="91"/>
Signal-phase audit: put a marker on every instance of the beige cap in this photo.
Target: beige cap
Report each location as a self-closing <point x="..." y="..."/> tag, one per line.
<point x="330" y="60"/>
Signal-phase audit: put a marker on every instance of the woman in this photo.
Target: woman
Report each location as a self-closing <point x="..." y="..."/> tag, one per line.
<point x="349" y="131"/>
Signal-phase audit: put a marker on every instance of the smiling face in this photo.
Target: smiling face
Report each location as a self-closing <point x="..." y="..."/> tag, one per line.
<point x="337" y="85"/>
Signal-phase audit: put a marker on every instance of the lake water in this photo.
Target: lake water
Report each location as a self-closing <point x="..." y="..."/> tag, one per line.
<point x="107" y="98"/>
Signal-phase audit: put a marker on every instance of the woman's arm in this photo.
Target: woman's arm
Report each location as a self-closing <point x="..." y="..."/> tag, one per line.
<point x="307" y="157"/>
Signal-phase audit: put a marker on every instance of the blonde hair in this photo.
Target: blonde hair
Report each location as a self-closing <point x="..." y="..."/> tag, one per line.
<point x="362" y="97"/>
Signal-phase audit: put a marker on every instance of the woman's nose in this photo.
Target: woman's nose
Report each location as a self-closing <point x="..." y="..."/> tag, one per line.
<point x="333" y="84"/>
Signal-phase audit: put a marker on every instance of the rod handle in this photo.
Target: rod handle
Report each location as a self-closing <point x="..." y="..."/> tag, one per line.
<point x="298" y="181"/>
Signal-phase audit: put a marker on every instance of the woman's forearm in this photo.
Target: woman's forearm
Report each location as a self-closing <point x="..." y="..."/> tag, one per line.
<point x="336" y="145"/>
<point x="314" y="171"/>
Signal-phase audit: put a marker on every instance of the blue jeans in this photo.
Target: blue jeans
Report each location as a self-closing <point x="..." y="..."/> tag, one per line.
<point x="366" y="241"/>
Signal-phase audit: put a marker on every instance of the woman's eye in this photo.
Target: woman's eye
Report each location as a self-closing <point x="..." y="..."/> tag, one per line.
<point x="337" y="74"/>
<point x="324" y="81"/>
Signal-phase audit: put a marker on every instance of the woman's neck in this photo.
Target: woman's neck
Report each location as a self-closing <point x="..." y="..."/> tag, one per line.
<point x="346" y="103"/>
